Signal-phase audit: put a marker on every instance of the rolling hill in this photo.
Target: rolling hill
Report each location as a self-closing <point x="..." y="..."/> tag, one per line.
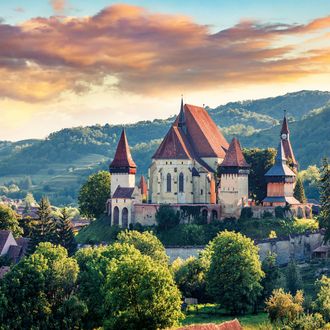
<point x="58" y="165"/>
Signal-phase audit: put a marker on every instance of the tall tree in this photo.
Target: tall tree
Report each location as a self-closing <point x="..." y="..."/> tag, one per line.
<point x="325" y="198"/>
<point x="94" y="193"/>
<point x="299" y="191"/>
<point x="140" y="294"/>
<point x="65" y="236"/>
<point x="261" y="160"/>
<point x="293" y="277"/>
<point x="235" y="273"/>
<point x="9" y="220"/>
<point x="44" y="298"/>
<point x="44" y="229"/>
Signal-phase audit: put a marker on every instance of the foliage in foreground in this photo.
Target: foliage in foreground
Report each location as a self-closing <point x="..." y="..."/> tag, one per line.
<point x="235" y="273"/>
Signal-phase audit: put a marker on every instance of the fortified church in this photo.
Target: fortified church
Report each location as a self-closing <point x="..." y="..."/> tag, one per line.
<point x="195" y="167"/>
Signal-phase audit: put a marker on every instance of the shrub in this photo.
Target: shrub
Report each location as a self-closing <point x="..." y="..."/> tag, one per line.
<point x="279" y="212"/>
<point x="246" y="213"/>
<point x="166" y="217"/>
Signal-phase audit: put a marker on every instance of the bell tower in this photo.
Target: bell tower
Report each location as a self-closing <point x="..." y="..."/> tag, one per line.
<point x="122" y="168"/>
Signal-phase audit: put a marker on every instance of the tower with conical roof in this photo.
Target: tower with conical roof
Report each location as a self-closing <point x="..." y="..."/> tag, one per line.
<point x="280" y="181"/>
<point x="123" y="167"/>
<point x="287" y="148"/>
<point x="234" y="173"/>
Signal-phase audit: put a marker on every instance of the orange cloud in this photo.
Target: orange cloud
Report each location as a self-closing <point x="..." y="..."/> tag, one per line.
<point x="147" y="52"/>
<point x="59" y="6"/>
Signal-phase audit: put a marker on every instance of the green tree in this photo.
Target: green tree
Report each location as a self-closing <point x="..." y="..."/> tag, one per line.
<point x="38" y="292"/>
<point x="273" y="276"/>
<point x="94" y="193"/>
<point x="299" y="192"/>
<point x="166" y="217"/>
<point x="322" y="302"/>
<point x="190" y="279"/>
<point x="234" y="276"/>
<point x="65" y="236"/>
<point x="9" y="220"/>
<point x="283" y="308"/>
<point x="147" y="243"/>
<point x="44" y="229"/>
<point x="29" y="200"/>
<point x="140" y="294"/>
<point x="261" y="160"/>
<point x="293" y="277"/>
<point x="93" y="264"/>
<point x="325" y="198"/>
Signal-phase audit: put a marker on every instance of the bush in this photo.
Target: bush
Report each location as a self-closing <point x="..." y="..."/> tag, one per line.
<point x="246" y="213"/>
<point x="166" y="217"/>
<point x="279" y="212"/>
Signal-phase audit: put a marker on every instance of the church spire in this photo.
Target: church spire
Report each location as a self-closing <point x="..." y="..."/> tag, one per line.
<point x="285" y="126"/>
<point x="123" y="161"/>
<point x="182" y="120"/>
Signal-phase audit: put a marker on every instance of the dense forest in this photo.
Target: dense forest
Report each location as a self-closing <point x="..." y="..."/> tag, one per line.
<point x="59" y="164"/>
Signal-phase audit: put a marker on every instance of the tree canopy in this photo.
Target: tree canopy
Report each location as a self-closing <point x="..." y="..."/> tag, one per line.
<point x="9" y="220"/>
<point x="325" y="198"/>
<point x="94" y="193"/>
<point x="234" y="276"/>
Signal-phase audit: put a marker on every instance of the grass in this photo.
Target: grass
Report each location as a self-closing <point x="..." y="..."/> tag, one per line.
<point x="97" y="232"/>
<point x="209" y="313"/>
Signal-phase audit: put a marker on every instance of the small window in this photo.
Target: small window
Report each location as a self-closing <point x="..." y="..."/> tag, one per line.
<point x="202" y="191"/>
<point x="168" y="183"/>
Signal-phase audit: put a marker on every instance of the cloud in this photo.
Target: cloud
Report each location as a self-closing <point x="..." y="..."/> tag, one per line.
<point x="150" y="53"/>
<point x="19" y="10"/>
<point x="59" y="6"/>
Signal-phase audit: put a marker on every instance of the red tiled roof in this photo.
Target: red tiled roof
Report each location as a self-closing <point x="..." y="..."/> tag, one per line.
<point x="174" y="146"/>
<point x="143" y="186"/>
<point x="288" y="151"/>
<point x="197" y="137"/>
<point x="123" y="158"/>
<point x="122" y="192"/>
<point x="234" y="156"/>
<point x="229" y="325"/>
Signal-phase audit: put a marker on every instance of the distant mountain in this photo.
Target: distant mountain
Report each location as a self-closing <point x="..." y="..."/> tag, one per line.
<point x="59" y="164"/>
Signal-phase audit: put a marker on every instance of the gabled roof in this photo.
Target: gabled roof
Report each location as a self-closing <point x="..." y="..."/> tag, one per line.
<point x="234" y="156"/>
<point x="122" y="192"/>
<point x="174" y="146"/>
<point x="193" y="135"/>
<point x="280" y="168"/>
<point x="123" y="160"/>
<point x="4" y="235"/>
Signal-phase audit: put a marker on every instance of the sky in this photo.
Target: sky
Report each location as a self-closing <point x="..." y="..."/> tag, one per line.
<point x="67" y="63"/>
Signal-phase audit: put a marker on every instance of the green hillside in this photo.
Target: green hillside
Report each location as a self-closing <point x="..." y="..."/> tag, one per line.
<point x="59" y="164"/>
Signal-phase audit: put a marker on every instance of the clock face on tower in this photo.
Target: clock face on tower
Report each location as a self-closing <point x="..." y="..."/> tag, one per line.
<point x="283" y="136"/>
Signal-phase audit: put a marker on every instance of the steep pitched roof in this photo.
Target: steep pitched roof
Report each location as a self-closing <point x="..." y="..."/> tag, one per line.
<point x="285" y="126"/>
<point x="143" y="186"/>
<point x="4" y="234"/>
<point x="174" y="146"/>
<point x="193" y="135"/>
<point x="228" y="325"/>
<point x="280" y="168"/>
<point x="122" y="192"/>
<point x="123" y="159"/>
<point x="234" y="156"/>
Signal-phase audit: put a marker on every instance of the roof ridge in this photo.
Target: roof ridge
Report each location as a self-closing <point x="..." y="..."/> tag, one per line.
<point x="234" y="156"/>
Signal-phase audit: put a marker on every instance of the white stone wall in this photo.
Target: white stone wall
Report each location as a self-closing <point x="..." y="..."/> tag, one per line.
<point x="121" y="204"/>
<point x="123" y="180"/>
<point x="196" y="189"/>
<point x="233" y="194"/>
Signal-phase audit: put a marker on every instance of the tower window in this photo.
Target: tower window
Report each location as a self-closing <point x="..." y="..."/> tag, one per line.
<point x="202" y="191"/>
<point x="181" y="182"/>
<point x="168" y="182"/>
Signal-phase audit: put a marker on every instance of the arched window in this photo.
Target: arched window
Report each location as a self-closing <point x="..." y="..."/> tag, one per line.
<point x="204" y="215"/>
<point x="181" y="182"/>
<point x="124" y="218"/>
<point x="168" y="183"/>
<point x="214" y="215"/>
<point x="116" y="216"/>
